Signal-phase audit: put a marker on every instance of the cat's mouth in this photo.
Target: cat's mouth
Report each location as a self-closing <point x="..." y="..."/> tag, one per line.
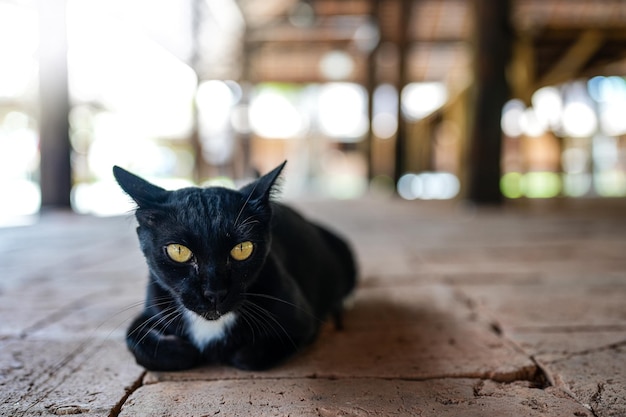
<point x="211" y="310"/>
<point x="211" y="315"/>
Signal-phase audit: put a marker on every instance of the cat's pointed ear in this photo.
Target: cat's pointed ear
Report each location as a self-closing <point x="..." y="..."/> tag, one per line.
<point x="145" y="194"/>
<point x="262" y="188"/>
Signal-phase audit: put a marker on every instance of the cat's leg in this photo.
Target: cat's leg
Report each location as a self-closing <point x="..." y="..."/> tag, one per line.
<point x="347" y="303"/>
<point x="157" y="351"/>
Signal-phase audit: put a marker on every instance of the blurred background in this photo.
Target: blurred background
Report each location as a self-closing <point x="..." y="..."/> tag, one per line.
<point x="481" y="100"/>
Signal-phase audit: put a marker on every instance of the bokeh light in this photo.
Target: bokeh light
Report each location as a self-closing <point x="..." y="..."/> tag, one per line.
<point x="274" y="115"/>
<point x="428" y="186"/>
<point x="385" y="109"/>
<point x="511" y="115"/>
<point x="579" y="119"/>
<point x="548" y="105"/>
<point x="422" y="99"/>
<point x="18" y="46"/>
<point x="342" y="111"/>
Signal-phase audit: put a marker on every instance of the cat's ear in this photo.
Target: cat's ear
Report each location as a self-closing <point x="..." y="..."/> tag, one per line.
<point x="261" y="189"/>
<point x="145" y="194"/>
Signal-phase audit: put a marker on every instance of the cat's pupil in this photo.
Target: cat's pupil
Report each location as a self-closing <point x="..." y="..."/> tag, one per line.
<point x="242" y="251"/>
<point x="178" y="253"/>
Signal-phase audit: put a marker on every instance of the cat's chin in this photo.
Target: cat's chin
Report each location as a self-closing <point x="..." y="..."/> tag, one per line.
<point x="204" y="331"/>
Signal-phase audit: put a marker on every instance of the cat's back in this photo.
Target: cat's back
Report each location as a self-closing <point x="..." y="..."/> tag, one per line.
<point x="318" y="259"/>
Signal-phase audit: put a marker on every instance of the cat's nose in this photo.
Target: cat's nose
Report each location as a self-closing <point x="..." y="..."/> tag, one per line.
<point x="215" y="298"/>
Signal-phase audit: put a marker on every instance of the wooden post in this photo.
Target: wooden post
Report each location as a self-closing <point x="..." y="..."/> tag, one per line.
<point x="371" y="82"/>
<point x="55" y="168"/>
<point x="403" y="43"/>
<point x="492" y="53"/>
<point x="199" y="170"/>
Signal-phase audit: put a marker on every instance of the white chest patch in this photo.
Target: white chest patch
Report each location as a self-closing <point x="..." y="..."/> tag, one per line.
<point x="203" y="332"/>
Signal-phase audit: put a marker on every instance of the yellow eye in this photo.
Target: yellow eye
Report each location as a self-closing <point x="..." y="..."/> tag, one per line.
<point x="242" y="251"/>
<point x="178" y="252"/>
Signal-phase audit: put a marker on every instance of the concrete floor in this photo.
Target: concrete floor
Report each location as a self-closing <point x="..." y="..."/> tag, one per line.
<point x="459" y="312"/>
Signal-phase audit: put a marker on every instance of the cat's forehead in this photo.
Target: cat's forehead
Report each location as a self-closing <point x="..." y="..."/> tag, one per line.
<point x="213" y="206"/>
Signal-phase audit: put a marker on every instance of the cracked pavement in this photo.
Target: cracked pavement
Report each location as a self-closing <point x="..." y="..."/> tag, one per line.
<point x="459" y="311"/>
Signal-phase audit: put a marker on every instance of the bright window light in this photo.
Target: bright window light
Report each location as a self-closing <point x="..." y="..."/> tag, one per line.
<point x="428" y="186"/>
<point x="512" y="113"/>
<point x="531" y="124"/>
<point x="548" y="106"/>
<point x="343" y="111"/>
<point x="579" y="120"/>
<point x="18" y="46"/>
<point x="385" y="121"/>
<point x="421" y="99"/>
<point x="25" y="199"/>
<point x="336" y="65"/>
<point x="273" y="115"/>
<point x="127" y="72"/>
<point x="215" y="99"/>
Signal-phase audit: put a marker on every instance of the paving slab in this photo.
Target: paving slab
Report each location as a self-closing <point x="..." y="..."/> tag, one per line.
<point x="596" y="378"/>
<point x="45" y="377"/>
<point x="320" y="397"/>
<point x="574" y="304"/>
<point x="419" y="332"/>
<point x="550" y="345"/>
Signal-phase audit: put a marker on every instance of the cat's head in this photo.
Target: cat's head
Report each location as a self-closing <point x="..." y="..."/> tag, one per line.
<point x="203" y="245"/>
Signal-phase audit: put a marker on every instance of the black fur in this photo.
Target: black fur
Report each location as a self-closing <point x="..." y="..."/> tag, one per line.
<point x="298" y="274"/>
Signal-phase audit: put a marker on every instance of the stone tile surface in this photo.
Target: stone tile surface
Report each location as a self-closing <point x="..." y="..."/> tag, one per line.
<point x="460" y="311"/>
<point x="596" y="378"/>
<point x="317" y="397"/>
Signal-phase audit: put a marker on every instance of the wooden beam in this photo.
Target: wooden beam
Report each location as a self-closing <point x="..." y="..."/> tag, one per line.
<point x="522" y="71"/>
<point x="574" y="59"/>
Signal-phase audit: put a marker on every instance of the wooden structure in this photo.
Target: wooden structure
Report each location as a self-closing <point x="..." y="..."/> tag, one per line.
<point x="402" y="41"/>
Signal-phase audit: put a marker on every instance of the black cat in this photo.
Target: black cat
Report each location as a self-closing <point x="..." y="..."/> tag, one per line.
<point x="235" y="278"/>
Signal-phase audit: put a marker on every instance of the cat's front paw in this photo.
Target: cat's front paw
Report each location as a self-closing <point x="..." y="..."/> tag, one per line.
<point x="256" y="358"/>
<point x="158" y="352"/>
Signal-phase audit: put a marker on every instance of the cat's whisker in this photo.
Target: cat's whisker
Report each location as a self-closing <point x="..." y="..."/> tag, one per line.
<point x="171" y="312"/>
<point x="261" y="324"/>
<point x="147" y="321"/>
<point x="246" y="226"/>
<point x="119" y="312"/>
<point x="129" y="307"/>
<point x="244" y="205"/>
<point x="168" y="312"/>
<point x="264" y="328"/>
<point x="264" y="313"/>
<point x="247" y="320"/>
<point x="296" y="306"/>
<point x="250" y="220"/>
<point x="176" y="315"/>
<point x="153" y="327"/>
